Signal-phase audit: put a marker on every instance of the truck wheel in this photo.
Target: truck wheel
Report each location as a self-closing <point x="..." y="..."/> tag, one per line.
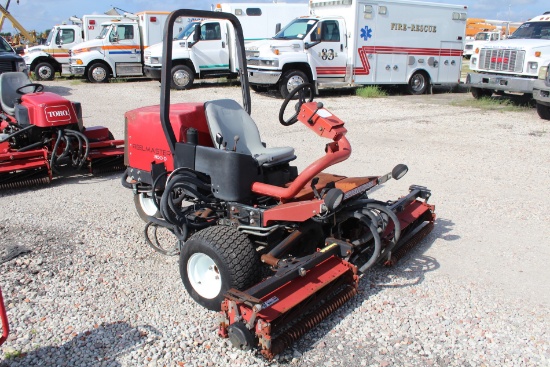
<point x="290" y="80"/>
<point x="543" y="111"/>
<point x="145" y="207"/>
<point x="98" y="73"/>
<point x="44" y="71"/>
<point x="418" y="83"/>
<point x="182" y="77"/>
<point x="215" y="260"/>
<point x="478" y="93"/>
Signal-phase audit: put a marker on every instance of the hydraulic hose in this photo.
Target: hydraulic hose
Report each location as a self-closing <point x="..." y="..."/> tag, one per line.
<point x="377" y="242"/>
<point x="56" y="145"/>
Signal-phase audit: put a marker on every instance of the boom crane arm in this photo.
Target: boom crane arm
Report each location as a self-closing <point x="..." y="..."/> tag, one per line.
<point x="6" y="14"/>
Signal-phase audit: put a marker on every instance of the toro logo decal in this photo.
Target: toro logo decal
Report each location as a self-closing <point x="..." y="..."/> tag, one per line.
<point x="57" y="113"/>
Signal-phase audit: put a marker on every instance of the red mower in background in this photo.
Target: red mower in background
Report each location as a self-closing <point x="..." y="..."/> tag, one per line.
<point x="42" y="133"/>
<point x="274" y="250"/>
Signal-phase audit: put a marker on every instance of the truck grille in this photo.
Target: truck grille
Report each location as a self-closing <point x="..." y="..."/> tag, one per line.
<point x="469" y="47"/>
<point x="252" y="54"/>
<point x="501" y="60"/>
<point x="6" y="66"/>
<point x="253" y="62"/>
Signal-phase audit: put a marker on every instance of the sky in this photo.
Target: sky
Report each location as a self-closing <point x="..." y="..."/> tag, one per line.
<point x="41" y="15"/>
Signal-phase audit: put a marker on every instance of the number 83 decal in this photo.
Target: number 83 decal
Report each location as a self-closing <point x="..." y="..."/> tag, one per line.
<point x="327" y="54"/>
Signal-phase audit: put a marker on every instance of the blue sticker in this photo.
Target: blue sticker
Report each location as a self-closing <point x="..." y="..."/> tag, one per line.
<point x="366" y="33"/>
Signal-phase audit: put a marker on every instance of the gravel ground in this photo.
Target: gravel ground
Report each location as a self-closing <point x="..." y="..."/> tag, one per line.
<point x="475" y="292"/>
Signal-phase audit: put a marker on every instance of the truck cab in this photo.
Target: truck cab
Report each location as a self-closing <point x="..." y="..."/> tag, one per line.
<point x="53" y="56"/>
<point x="9" y="60"/>
<point x="480" y="39"/>
<point x="204" y="49"/>
<point x="116" y="51"/>
<point x="513" y="64"/>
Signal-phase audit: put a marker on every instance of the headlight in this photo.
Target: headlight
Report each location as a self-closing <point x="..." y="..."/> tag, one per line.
<point x="542" y="72"/>
<point x="156" y="60"/>
<point x="532" y="67"/>
<point x="270" y="63"/>
<point x="21" y="66"/>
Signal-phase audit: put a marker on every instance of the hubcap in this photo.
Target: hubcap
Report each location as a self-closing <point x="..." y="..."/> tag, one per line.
<point x="44" y="72"/>
<point x="204" y="275"/>
<point x="147" y="204"/>
<point x="181" y="78"/>
<point x="418" y="82"/>
<point x="99" y="74"/>
<point x="293" y="82"/>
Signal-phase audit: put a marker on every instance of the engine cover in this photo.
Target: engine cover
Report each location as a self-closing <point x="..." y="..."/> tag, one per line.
<point x="49" y="109"/>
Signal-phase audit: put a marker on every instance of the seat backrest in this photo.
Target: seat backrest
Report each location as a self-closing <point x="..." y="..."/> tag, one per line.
<point x="228" y="118"/>
<point x="9" y="83"/>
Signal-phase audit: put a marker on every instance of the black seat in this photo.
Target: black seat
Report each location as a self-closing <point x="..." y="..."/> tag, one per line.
<point x="228" y="118"/>
<point x="9" y="83"/>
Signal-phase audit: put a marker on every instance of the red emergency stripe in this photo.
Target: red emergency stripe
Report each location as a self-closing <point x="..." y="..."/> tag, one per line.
<point x="330" y="70"/>
<point x="412" y="51"/>
<point x="60" y="55"/>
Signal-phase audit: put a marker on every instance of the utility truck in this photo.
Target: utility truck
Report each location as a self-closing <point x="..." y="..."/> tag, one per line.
<point x="351" y="43"/>
<point x="118" y="50"/>
<point x="53" y="56"/>
<point x="511" y="65"/>
<point x="206" y="48"/>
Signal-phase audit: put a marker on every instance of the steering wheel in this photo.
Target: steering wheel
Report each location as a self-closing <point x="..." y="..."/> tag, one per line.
<point x="302" y="92"/>
<point x="36" y="88"/>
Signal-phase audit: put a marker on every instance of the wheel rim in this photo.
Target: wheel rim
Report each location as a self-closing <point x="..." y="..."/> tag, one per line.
<point x="44" y="72"/>
<point x="181" y="78"/>
<point x="204" y="275"/>
<point x="293" y="82"/>
<point x="418" y="82"/>
<point x="99" y="74"/>
<point x="147" y="205"/>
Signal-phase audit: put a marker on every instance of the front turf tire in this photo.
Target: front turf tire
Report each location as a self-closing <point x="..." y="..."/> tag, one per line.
<point x="215" y="260"/>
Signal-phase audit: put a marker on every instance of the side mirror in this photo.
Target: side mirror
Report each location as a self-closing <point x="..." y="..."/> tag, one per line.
<point x="197" y="33"/>
<point x="277" y="28"/>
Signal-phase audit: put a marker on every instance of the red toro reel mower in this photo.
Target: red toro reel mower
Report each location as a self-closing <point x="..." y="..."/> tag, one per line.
<point x="42" y="133"/>
<point x="275" y="250"/>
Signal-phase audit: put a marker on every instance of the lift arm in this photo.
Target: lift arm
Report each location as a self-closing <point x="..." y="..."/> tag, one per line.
<point x="6" y="14"/>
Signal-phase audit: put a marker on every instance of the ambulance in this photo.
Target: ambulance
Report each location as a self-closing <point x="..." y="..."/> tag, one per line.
<point x="118" y="50"/>
<point x="351" y="43"/>
<point x="53" y="56"/>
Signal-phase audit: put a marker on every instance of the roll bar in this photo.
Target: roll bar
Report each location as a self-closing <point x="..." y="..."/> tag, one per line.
<point x="167" y="66"/>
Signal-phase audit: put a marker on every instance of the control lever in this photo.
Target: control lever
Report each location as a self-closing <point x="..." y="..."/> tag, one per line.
<point x="319" y="106"/>
<point x="314" y="182"/>
<point x="219" y="140"/>
<point x="236" y="138"/>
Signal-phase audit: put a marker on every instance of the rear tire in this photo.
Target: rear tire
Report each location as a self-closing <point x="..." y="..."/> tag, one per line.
<point x="98" y="73"/>
<point x="543" y="111"/>
<point x="181" y="78"/>
<point x="44" y="71"/>
<point x="418" y="83"/>
<point x="145" y="207"/>
<point x="290" y="80"/>
<point x="215" y="260"/>
<point x="478" y="93"/>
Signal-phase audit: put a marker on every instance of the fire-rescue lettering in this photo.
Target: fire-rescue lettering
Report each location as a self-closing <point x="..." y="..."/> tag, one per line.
<point x="413" y="27"/>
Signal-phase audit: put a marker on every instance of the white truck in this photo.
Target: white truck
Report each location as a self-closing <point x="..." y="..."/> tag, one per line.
<point x="541" y="92"/>
<point x="212" y="54"/>
<point x="118" y="50"/>
<point x="53" y="56"/>
<point x="513" y="64"/>
<point x="351" y="43"/>
<point x="480" y="39"/>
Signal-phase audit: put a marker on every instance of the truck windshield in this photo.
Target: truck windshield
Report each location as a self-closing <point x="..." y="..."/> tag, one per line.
<point x="187" y="31"/>
<point x="50" y="36"/>
<point x="104" y="31"/>
<point x="4" y="46"/>
<point x="533" y="30"/>
<point x="482" y="37"/>
<point x="297" y="29"/>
